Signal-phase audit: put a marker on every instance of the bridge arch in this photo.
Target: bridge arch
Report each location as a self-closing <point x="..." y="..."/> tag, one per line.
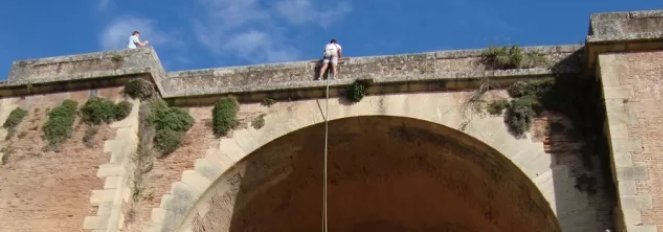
<point x="386" y="174"/>
<point x="189" y="200"/>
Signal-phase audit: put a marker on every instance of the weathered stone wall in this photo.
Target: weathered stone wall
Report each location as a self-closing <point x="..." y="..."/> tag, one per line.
<point x="85" y="71"/>
<point x="411" y="68"/>
<point x="632" y="91"/>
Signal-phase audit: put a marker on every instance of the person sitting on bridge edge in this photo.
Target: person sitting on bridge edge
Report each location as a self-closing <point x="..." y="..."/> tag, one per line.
<point x="134" y="41"/>
<point x="333" y="53"/>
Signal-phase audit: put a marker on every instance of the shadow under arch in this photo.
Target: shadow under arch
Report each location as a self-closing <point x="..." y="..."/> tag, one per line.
<point x="385" y="174"/>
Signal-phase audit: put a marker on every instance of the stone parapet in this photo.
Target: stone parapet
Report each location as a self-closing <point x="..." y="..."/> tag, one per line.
<point x="623" y="32"/>
<point x="40" y="75"/>
<point x="115" y="67"/>
<point x="407" y="68"/>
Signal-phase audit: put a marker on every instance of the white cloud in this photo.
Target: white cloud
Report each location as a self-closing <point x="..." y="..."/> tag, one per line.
<point x="303" y="11"/>
<point x="256" y="46"/>
<point x="253" y="30"/>
<point x="116" y="34"/>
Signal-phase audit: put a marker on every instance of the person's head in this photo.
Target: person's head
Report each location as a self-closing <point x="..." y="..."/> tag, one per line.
<point x="333" y="41"/>
<point x="136" y="33"/>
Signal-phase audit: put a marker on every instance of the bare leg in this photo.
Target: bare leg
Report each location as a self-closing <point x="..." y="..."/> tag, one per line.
<point x="323" y="69"/>
<point x="334" y="71"/>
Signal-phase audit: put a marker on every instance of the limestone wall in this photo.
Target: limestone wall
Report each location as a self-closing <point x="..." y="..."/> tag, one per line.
<point x="632" y="91"/>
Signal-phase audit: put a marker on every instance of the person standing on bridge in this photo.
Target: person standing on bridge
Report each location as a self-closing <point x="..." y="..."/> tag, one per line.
<point x="134" y="41"/>
<point x="332" y="54"/>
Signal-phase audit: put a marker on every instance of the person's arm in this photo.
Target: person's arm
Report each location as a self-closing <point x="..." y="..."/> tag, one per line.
<point x="340" y="52"/>
<point x="137" y="42"/>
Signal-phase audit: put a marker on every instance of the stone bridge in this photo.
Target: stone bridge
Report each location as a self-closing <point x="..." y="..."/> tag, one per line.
<point x="418" y="153"/>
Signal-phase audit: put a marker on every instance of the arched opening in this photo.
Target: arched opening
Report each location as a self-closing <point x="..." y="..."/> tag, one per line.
<point x="385" y="174"/>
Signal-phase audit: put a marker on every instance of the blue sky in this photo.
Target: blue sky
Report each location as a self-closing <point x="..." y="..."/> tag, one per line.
<point x="214" y="33"/>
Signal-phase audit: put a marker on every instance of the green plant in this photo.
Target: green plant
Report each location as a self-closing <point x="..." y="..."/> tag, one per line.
<point x="15" y="118"/>
<point x="117" y="59"/>
<point x="519" y="115"/>
<point x="139" y="88"/>
<point x="122" y="110"/>
<point x="534" y="89"/>
<point x="356" y="91"/>
<point x="165" y="117"/>
<point x="98" y="110"/>
<point x="88" y="138"/>
<point x="500" y="57"/>
<point x="496" y="107"/>
<point x="512" y="57"/>
<point x="22" y="134"/>
<point x="6" y="151"/>
<point x="167" y="140"/>
<point x="533" y="59"/>
<point x="258" y="122"/>
<point x="224" y="115"/>
<point x="61" y="119"/>
<point x="268" y="101"/>
<point x="170" y="123"/>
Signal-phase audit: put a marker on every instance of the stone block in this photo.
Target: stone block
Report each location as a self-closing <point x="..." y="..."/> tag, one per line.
<point x="626" y="145"/>
<point x="618" y="130"/>
<point x="632" y="216"/>
<point x="94" y="223"/>
<point x="633" y="173"/>
<point x="113" y="182"/>
<point x="642" y="228"/>
<point x="640" y="202"/>
<point x="617" y="111"/>
<point x="111" y="170"/>
<point x="622" y="159"/>
<point x="619" y="92"/>
<point x="626" y="188"/>
<point x="195" y="180"/>
<point x="208" y="169"/>
<point x="105" y="195"/>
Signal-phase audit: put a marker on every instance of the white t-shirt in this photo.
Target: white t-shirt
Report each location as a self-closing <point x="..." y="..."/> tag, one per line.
<point x="332" y="49"/>
<point x="133" y="40"/>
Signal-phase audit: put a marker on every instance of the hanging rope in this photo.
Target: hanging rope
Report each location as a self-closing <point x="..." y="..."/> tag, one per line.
<point x="324" y="174"/>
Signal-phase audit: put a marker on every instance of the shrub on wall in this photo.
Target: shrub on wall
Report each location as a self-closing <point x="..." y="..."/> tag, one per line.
<point x="224" y="115"/>
<point x="122" y="110"/>
<point x="171" y="124"/>
<point x="519" y="115"/>
<point x="496" y="107"/>
<point x="139" y="89"/>
<point x="535" y="89"/>
<point x="61" y="119"/>
<point x="526" y="103"/>
<point x="166" y="140"/>
<point x="99" y="110"/>
<point x="511" y="57"/>
<point x="15" y="118"/>
<point x="356" y="91"/>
